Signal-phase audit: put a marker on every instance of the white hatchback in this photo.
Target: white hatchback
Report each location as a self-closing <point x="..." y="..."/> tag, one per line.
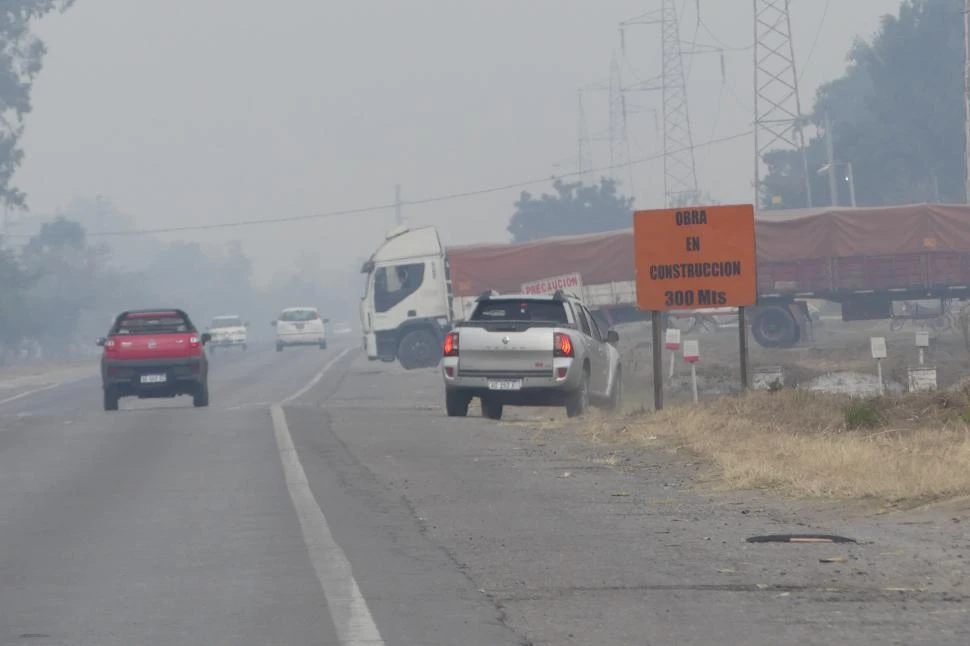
<point x="300" y="326"/>
<point x="228" y="331"/>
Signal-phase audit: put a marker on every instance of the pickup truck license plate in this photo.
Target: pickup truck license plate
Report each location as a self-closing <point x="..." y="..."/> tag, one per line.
<point x="505" y="384"/>
<point x="154" y="379"/>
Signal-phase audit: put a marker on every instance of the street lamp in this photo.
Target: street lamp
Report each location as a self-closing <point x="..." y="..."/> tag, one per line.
<point x="849" y="178"/>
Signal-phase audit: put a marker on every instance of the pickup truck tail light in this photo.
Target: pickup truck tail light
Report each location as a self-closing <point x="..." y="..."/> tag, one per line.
<point x="451" y="345"/>
<point x="193" y="341"/>
<point x="563" y="345"/>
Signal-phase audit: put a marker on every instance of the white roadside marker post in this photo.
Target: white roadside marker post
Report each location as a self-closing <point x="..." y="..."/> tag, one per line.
<point x="877" y="346"/>
<point x="692" y="355"/>
<point x="672" y="343"/>
<point x="922" y="342"/>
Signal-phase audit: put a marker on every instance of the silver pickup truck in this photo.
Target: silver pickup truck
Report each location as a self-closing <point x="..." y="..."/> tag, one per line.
<point x="517" y="350"/>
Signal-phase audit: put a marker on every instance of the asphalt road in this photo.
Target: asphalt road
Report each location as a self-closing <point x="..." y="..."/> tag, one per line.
<point x="322" y="499"/>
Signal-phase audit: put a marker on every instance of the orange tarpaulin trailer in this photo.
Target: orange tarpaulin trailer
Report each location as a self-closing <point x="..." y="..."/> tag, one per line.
<point x="817" y="250"/>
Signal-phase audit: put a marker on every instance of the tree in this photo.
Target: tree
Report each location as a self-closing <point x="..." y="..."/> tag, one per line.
<point x="13" y="286"/>
<point x="693" y="198"/>
<point x="21" y="59"/>
<point x="896" y="115"/>
<point x="65" y="282"/>
<point x="574" y="209"/>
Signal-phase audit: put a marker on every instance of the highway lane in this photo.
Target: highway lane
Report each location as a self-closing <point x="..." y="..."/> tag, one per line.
<point x="161" y="525"/>
<point x="574" y="543"/>
<point x="165" y="524"/>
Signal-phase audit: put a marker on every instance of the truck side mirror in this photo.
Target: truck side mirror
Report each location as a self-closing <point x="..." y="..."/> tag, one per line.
<point x="612" y="336"/>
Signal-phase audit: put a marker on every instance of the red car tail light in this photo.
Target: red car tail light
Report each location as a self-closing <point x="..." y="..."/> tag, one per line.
<point x="451" y="345"/>
<point x="563" y="345"/>
<point x="193" y="341"/>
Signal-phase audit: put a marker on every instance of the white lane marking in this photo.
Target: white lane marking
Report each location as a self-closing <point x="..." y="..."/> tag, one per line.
<point x="28" y="393"/>
<point x="316" y="378"/>
<point x="348" y="609"/>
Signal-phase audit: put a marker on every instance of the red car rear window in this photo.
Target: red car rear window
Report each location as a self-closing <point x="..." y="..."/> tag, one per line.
<point x="152" y="323"/>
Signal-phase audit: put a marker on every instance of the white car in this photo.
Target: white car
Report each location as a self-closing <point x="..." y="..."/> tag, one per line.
<point x="228" y="331"/>
<point x="300" y="326"/>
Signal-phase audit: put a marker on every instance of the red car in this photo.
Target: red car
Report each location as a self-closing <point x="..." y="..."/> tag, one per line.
<point x="154" y="353"/>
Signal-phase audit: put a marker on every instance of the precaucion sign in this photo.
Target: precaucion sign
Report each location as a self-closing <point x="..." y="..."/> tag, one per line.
<point x="695" y="257"/>
<point x="567" y="282"/>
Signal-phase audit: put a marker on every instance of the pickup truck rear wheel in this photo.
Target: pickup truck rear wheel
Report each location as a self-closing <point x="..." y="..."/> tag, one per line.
<point x="419" y="349"/>
<point x="110" y="399"/>
<point x="616" y="397"/>
<point x="456" y="403"/>
<point x="491" y="409"/>
<point x="578" y="400"/>
<point x="200" y="398"/>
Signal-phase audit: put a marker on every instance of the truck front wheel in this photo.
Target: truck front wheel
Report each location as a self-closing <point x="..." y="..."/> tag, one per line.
<point x="419" y="349"/>
<point x="775" y="327"/>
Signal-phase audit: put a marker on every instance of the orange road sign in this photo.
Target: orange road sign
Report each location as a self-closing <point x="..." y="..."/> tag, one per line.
<point x="693" y="257"/>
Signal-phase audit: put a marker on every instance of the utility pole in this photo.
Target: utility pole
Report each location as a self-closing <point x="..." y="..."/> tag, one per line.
<point x="583" y="143"/>
<point x="851" y="179"/>
<point x="619" y="135"/>
<point x="966" y="99"/>
<point x="830" y="154"/>
<point x="397" y="205"/>
<point x="777" y="107"/>
<point x="680" y="170"/>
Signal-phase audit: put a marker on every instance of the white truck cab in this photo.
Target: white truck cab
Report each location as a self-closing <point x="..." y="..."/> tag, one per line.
<point x="407" y="305"/>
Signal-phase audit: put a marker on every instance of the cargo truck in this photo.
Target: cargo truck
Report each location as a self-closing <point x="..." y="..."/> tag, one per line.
<point x="865" y="259"/>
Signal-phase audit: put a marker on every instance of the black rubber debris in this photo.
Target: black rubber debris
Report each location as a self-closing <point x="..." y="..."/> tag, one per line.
<point x="800" y="538"/>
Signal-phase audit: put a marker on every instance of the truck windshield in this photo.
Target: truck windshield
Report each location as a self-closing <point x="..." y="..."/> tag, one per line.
<point x="520" y="310"/>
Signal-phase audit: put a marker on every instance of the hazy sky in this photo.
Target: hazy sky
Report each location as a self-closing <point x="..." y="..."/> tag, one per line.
<point x="205" y="111"/>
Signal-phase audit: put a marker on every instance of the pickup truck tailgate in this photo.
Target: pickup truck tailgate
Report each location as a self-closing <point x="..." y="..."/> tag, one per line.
<point x="138" y="347"/>
<point x="505" y="349"/>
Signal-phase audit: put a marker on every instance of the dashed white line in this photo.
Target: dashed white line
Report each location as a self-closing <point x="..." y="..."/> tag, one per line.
<point x="28" y="393"/>
<point x="348" y="609"/>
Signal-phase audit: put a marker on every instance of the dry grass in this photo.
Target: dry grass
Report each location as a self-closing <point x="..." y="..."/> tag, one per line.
<point x="907" y="448"/>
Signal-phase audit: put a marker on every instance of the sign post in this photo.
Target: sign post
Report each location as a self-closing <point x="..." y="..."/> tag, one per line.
<point x="922" y="342"/>
<point x="672" y="342"/>
<point x="695" y="257"/>
<point x="692" y="354"/>
<point x="658" y="360"/>
<point x="877" y="346"/>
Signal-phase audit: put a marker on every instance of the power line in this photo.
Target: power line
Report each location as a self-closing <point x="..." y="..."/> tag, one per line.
<point x="446" y="197"/>
<point x="818" y="35"/>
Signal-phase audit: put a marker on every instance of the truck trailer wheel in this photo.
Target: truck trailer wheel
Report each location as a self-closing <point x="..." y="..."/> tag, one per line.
<point x="419" y="349"/>
<point x="775" y="327"/>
